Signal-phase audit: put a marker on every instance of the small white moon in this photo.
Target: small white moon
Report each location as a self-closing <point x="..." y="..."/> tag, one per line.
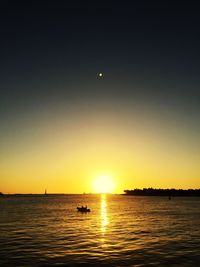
<point x="100" y="74"/>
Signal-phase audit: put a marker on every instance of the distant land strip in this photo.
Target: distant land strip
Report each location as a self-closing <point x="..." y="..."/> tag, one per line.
<point x="163" y="192"/>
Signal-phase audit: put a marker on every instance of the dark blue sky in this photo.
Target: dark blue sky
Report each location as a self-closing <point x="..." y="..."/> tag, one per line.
<point x="150" y="49"/>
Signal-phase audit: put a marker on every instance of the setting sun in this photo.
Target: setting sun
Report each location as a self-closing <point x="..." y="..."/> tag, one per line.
<point x="104" y="184"/>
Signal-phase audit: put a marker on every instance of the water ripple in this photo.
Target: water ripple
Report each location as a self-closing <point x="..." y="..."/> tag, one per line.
<point x="120" y="231"/>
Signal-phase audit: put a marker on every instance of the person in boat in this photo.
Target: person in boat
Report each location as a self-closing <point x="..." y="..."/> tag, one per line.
<point x="83" y="209"/>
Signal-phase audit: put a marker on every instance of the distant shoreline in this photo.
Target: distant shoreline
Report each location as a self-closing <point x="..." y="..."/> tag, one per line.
<point x="51" y="194"/>
<point x="36" y="194"/>
<point x="133" y="192"/>
<point x="163" y="192"/>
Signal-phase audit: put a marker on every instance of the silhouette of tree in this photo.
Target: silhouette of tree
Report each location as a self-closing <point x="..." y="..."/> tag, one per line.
<point x="163" y="192"/>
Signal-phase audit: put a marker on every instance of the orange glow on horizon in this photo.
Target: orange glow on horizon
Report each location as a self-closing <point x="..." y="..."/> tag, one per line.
<point x="67" y="152"/>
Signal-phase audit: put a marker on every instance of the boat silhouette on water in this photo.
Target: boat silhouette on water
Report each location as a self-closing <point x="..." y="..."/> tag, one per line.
<point x="83" y="209"/>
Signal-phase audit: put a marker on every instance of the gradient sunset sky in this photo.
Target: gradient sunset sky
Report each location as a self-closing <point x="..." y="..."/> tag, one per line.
<point x="61" y="125"/>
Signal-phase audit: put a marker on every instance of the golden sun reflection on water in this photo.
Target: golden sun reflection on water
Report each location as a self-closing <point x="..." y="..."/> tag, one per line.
<point x="104" y="218"/>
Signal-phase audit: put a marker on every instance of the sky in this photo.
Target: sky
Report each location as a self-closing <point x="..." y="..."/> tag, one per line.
<point x="62" y="125"/>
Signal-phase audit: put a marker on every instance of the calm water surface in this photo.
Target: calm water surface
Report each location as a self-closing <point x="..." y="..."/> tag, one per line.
<point x="120" y="231"/>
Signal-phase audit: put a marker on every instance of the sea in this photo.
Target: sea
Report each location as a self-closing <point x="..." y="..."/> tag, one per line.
<point x="120" y="230"/>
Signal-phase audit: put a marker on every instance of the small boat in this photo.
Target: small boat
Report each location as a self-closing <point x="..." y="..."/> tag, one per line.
<point x="83" y="209"/>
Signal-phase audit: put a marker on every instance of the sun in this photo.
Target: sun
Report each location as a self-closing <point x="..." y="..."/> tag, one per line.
<point x="103" y="184"/>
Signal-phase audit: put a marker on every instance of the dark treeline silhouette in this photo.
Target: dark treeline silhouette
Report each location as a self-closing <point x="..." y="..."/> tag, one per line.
<point x="163" y="192"/>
